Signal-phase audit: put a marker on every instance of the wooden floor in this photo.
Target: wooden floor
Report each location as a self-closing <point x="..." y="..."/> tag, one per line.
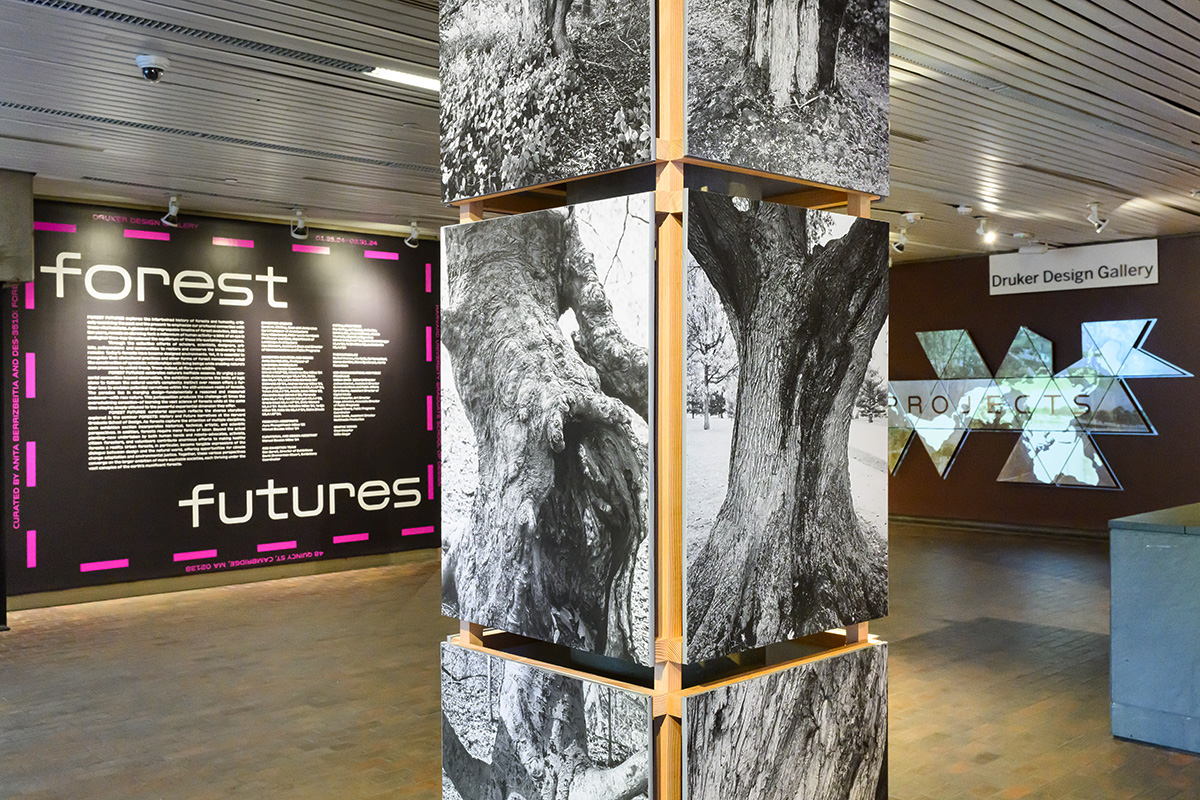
<point x="327" y="687"/>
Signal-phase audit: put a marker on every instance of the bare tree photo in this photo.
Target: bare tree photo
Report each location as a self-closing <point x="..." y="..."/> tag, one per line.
<point x="511" y="730"/>
<point x="711" y="358"/>
<point x="785" y="533"/>
<point x="546" y="323"/>
<point x="818" y="730"/>
<point x="792" y="87"/>
<point x="535" y="91"/>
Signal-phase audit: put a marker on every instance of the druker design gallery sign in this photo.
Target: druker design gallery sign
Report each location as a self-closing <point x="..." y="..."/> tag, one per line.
<point x="1058" y="414"/>
<point x="1091" y="267"/>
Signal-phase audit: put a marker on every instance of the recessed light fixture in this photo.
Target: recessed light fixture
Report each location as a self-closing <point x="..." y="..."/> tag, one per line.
<point x="989" y="236"/>
<point x="406" y="79"/>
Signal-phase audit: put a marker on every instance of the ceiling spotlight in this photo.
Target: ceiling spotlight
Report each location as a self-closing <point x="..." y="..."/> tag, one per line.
<point x="171" y="218"/>
<point x="989" y="236"/>
<point x="963" y="211"/>
<point x="414" y="231"/>
<point x="1094" y="217"/>
<point x="913" y="217"/>
<point x="900" y="243"/>
<point x="299" y="226"/>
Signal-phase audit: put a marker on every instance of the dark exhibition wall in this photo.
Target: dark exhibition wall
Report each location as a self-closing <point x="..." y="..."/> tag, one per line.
<point x="215" y="396"/>
<point x="1152" y="471"/>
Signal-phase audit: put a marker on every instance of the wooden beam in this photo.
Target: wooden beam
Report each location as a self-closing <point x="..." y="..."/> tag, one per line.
<point x="811" y="198"/>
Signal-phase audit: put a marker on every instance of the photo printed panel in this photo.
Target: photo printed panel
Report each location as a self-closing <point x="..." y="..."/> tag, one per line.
<point x="791" y="87"/>
<point x="817" y="730"/>
<point x="547" y="326"/>
<point x="537" y="91"/>
<point x="510" y="729"/>
<point x="785" y="473"/>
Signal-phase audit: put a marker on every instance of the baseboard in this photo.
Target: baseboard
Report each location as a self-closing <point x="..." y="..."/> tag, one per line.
<point x="1001" y="528"/>
<point x="183" y="583"/>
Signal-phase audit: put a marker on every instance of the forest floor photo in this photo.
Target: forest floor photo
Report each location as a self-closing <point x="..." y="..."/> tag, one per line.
<point x="836" y="135"/>
<point x="526" y="102"/>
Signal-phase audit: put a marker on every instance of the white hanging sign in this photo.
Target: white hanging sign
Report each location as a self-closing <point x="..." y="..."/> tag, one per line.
<point x="1095" y="266"/>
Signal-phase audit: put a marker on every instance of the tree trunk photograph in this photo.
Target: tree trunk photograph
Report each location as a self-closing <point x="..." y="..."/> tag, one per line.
<point x="511" y="731"/>
<point x="791" y="87"/>
<point x="546" y="323"/>
<point x="818" y="730"/>
<point x="798" y="543"/>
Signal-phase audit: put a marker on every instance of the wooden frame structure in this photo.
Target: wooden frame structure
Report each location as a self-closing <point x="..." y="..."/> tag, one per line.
<point x="670" y="166"/>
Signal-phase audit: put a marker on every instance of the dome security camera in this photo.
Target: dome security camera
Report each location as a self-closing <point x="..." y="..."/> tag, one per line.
<point x="153" y="67"/>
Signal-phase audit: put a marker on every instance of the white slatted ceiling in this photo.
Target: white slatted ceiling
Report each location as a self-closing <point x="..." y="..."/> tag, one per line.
<point x="57" y="60"/>
<point x="1031" y="108"/>
<point x="1023" y="109"/>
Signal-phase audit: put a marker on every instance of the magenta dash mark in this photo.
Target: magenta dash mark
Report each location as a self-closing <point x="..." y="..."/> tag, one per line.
<point x="195" y="555"/>
<point x="310" y="248"/>
<point x="272" y="546"/>
<point x="417" y="531"/>
<point x="158" y="236"/>
<point x="351" y="537"/>
<point x="428" y="278"/>
<point x="431" y="481"/>
<point x="221" y="241"/>
<point x="428" y="343"/>
<point x="428" y="412"/>
<point x="56" y="227"/>
<point x="30" y="376"/>
<point x="381" y="254"/>
<point x="29" y="296"/>
<point x="31" y="464"/>
<point x="96" y="566"/>
<point x="30" y="549"/>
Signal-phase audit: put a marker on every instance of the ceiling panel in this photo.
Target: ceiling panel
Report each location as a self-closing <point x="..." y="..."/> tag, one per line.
<point x="1024" y="110"/>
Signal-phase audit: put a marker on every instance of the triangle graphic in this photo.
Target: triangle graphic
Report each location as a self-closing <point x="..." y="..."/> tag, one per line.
<point x="1120" y="412"/>
<point x="1023" y="465"/>
<point x="1141" y="364"/>
<point x="942" y="445"/>
<point x="1026" y="357"/>
<point x="966" y="362"/>
<point x="939" y="346"/>
<point x="1093" y="357"/>
<point x="1089" y="394"/>
<point x="899" y="440"/>
<point x="992" y="412"/>
<point x="897" y="419"/>
<point x="1086" y="467"/>
<point x="1044" y="348"/>
<point x="1115" y="339"/>
<point x="1056" y="409"/>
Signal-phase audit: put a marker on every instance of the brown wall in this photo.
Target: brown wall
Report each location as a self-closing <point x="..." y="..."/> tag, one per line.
<point x="1154" y="471"/>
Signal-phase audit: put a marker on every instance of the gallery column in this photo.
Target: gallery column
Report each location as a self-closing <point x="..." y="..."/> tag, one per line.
<point x="664" y="525"/>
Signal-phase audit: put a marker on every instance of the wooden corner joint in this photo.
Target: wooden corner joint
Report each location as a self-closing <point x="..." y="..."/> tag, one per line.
<point x="669" y="649"/>
<point x="667" y="705"/>
<point x="470" y="633"/>
<point x="856" y="633"/>
<point x="668" y="149"/>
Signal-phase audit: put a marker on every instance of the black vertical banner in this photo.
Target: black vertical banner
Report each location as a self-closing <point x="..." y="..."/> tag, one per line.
<point x="215" y="396"/>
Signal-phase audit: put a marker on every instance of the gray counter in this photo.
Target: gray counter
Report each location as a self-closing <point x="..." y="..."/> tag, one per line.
<point x="1155" y="561"/>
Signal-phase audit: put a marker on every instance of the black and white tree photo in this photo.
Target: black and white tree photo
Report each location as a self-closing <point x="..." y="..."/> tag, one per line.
<point x="511" y="730"/>
<point x="546" y="331"/>
<point x="536" y="91"/>
<point x="817" y="730"/>
<point x="791" y="87"/>
<point x="785" y="532"/>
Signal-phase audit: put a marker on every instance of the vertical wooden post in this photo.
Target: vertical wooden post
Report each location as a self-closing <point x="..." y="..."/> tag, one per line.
<point x="668" y="205"/>
<point x="471" y="211"/>
<point x="856" y="633"/>
<point x="858" y="205"/>
<point x="470" y="633"/>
